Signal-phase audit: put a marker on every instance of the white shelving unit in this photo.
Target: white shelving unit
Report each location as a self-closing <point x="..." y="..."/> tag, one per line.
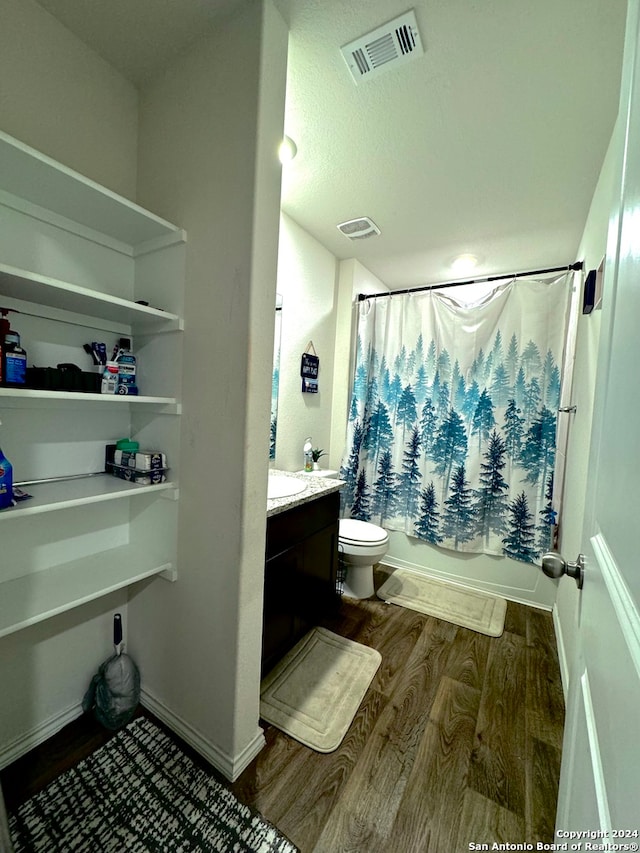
<point x="80" y="263"/>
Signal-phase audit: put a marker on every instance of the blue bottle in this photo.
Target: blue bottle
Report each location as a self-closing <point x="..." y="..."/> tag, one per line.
<point x="6" y="482"/>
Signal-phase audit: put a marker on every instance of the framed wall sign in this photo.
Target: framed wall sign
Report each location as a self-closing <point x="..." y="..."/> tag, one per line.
<point x="309" y="368"/>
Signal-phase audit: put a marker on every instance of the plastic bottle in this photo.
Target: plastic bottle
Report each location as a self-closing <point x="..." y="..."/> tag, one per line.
<point x="6" y="481"/>
<point x="308" y="457"/>
<point x="126" y="362"/>
<point x="14" y="358"/>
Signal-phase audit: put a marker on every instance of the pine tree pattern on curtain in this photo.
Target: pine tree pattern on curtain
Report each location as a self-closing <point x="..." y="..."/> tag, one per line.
<point x="452" y="424"/>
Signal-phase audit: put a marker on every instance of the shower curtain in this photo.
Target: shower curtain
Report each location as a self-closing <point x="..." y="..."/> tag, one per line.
<point x="452" y="425"/>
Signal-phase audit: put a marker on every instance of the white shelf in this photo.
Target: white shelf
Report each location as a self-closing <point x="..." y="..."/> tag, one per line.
<point x="41" y="595"/>
<point x="42" y="290"/>
<point x="65" y="494"/>
<point x="70" y="227"/>
<point x="31" y="175"/>
<point x="23" y="397"/>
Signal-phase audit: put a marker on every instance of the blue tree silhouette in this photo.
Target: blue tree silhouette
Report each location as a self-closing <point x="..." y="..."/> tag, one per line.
<point x="531" y="400"/>
<point x="395" y="390"/>
<point x="530" y="360"/>
<point x="430" y="360"/>
<point x="349" y="473"/>
<point x="483" y="419"/>
<point x="361" y="508"/>
<point x="383" y="502"/>
<point x="491" y="498"/>
<point x="458" y="515"/>
<point x="513" y="430"/>
<point x="519" y="541"/>
<point x="520" y="388"/>
<point x="428" y="523"/>
<point x="538" y="451"/>
<point x="512" y="358"/>
<point x="406" y="414"/>
<point x="500" y="388"/>
<point x="547" y="519"/>
<point x="410" y="476"/>
<point x="379" y="433"/>
<point x="450" y="446"/>
<point x="428" y="424"/>
<point x="421" y="388"/>
<point x="471" y="401"/>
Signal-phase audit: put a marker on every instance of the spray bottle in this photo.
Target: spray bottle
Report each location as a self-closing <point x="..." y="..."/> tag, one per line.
<point x="6" y="481"/>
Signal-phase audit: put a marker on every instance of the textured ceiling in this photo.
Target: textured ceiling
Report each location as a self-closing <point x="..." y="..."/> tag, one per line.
<point x="491" y="143"/>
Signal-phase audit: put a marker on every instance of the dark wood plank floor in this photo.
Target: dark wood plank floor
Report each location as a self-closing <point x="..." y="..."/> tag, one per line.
<point x="458" y="740"/>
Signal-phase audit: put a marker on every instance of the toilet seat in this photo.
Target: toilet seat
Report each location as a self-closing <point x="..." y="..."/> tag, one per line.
<point x="363" y="533"/>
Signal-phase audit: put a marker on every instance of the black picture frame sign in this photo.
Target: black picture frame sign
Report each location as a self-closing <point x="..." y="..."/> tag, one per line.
<point x="309" y="369"/>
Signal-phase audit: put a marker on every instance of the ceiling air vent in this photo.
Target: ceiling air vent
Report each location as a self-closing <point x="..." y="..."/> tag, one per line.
<point x="384" y="48"/>
<point x="358" y="229"/>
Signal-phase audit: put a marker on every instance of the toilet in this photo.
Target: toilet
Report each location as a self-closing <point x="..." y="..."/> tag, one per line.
<point x="361" y="545"/>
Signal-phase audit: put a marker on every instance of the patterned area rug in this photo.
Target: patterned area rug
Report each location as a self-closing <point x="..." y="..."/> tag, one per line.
<point x="466" y="607"/>
<point x="314" y="692"/>
<point x="138" y="793"/>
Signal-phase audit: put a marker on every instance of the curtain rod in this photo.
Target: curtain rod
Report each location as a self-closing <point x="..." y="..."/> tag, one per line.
<point x="579" y="265"/>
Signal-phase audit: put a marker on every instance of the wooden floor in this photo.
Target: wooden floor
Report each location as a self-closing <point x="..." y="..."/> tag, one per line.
<point x="458" y="740"/>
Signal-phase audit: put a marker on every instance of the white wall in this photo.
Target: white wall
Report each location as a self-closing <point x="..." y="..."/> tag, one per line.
<point x="307" y="282"/>
<point x="59" y="97"/>
<point x="209" y="130"/>
<point x="592" y="250"/>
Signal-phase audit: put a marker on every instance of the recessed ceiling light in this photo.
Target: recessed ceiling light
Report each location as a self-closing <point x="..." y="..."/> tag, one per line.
<point x="287" y="150"/>
<point x="464" y="263"/>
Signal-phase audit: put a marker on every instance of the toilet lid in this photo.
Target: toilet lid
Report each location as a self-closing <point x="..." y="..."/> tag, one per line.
<point x="361" y="532"/>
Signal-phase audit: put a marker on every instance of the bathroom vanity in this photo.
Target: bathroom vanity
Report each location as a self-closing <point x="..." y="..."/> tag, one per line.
<point x="301" y="564"/>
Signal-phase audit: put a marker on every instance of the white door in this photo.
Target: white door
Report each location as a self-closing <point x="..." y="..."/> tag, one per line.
<point x="600" y="778"/>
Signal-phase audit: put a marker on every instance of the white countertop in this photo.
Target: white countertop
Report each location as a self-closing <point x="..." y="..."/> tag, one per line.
<point x="316" y="488"/>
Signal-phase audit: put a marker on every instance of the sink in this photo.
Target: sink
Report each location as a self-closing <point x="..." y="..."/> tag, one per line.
<point x="284" y="487"/>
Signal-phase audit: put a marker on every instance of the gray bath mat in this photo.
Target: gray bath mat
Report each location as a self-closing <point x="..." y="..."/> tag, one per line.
<point x="140" y="792"/>
<point x="466" y="607"/>
<point x="314" y="692"/>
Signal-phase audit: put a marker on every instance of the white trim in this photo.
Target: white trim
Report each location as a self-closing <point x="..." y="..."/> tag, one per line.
<point x="27" y="741"/>
<point x="562" y="653"/>
<point x="231" y="766"/>
<point x="596" y="762"/>
<point x="487" y="587"/>
<point x="624" y="606"/>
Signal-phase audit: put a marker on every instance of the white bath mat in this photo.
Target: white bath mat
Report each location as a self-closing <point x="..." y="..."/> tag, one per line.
<point x="314" y="692"/>
<point x="465" y="607"/>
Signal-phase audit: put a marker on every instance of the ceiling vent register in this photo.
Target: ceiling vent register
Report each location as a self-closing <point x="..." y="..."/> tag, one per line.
<point x="359" y="229"/>
<point x="384" y="48"/>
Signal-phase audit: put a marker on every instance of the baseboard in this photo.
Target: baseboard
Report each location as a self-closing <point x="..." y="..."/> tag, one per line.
<point x="465" y="583"/>
<point x="231" y="766"/>
<point x="562" y="652"/>
<point x="34" y="737"/>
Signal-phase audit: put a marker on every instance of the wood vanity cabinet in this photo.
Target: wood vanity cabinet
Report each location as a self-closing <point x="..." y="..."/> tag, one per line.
<point x="300" y="573"/>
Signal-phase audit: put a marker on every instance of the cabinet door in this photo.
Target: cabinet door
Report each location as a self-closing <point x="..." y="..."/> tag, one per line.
<point x="316" y="583"/>
<point x="279" y="628"/>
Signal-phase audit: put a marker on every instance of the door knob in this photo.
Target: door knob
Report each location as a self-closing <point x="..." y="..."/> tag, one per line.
<point x="554" y="565"/>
